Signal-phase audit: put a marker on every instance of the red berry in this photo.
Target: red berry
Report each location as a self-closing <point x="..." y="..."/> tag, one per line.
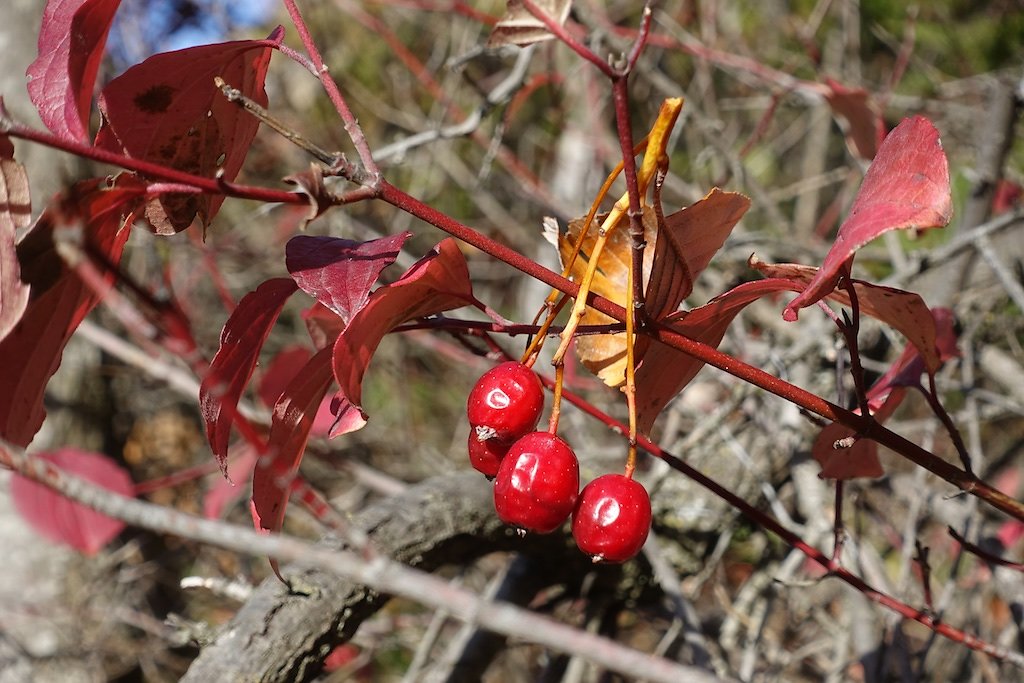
<point x="612" y="518"/>
<point x="486" y="455"/>
<point x="506" y="402"/>
<point x="537" y="483"/>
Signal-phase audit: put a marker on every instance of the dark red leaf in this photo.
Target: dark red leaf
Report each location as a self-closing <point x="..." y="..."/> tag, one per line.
<point x="63" y="521"/>
<point x="15" y="212"/>
<point x="902" y="310"/>
<point x="665" y="371"/>
<point x="907" y="186"/>
<point x="240" y="343"/>
<point x="338" y="272"/>
<point x="62" y="77"/>
<point x="289" y="431"/>
<point x="859" y="460"/>
<point x="438" y="282"/>
<point x="168" y="110"/>
<point x="58" y="299"/>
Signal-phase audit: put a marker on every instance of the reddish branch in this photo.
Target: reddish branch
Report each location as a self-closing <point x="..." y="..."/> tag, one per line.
<point x="866" y="426"/>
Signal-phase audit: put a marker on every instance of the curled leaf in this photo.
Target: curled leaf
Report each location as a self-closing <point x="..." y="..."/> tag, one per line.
<point x="436" y="283"/>
<point x="58" y="299"/>
<point x="61" y="79"/>
<point x="290" y="427"/>
<point x="15" y="212"/>
<point x="519" y="27"/>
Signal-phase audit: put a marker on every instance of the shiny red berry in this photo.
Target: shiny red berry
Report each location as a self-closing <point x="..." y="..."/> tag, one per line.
<point x="486" y="455"/>
<point x="612" y="518"/>
<point x="506" y="402"/>
<point x="537" y="483"/>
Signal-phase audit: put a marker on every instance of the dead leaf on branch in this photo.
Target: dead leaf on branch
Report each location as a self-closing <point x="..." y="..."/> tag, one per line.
<point x="15" y="212"/>
<point x="673" y="257"/>
<point x="519" y="27"/>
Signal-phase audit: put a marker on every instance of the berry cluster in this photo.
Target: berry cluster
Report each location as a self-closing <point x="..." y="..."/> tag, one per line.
<point x="537" y="476"/>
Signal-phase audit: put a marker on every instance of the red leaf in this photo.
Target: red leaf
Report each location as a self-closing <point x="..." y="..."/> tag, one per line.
<point x="280" y="371"/>
<point x="289" y="431"/>
<point x="865" y="128"/>
<point x="59" y="300"/>
<point x="338" y="272"/>
<point x="63" y="521"/>
<point x="323" y="325"/>
<point x="907" y="186"/>
<point x="15" y="212"/>
<point x="902" y="310"/>
<point x="62" y="77"/>
<point x="168" y="110"/>
<point x="665" y="371"/>
<point x="860" y="459"/>
<point x="240" y="343"/>
<point x="438" y="282"/>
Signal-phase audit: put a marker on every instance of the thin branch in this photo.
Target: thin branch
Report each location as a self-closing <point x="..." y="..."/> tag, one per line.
<point x="381" y="574"/>
<point x="563" y="35"/>
<point x="149" y="169"/>
<point x="861" y="424"/>
<point x="355" y="132"/>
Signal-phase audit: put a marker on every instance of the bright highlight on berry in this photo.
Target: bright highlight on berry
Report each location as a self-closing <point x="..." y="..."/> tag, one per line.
<point x="537" y="483"/>
<point x="506" y="402"/>
<point x="612" y="518"/>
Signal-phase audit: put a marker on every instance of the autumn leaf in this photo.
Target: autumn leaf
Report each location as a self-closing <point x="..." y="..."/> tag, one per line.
<point x="64" y="521"/>
<point x="58" y="299"/>
<point x="290" y="427"/>
<point x="15" y="212"/>
<point x="338" y="272"/>
<point x="438" y="282"/>
<point x="61" y="79"/>
<point x="863" y="125"/>
<point x="665" y="371"/>
<point x="906" y="187"/>
<point x="883" y="397"/>
<point x="169" y="111"/>
<point x="519" y="27"/>
<point x="673" y="257"/>
<point x="904" y="311"/>
<point x="240" y="343"/>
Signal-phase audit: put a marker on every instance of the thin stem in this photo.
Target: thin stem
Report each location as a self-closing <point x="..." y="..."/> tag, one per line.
<point x="149" y="169"/>
<point x="963" y="480"/>
<point x="355" y="132"/>
<point x="563" y="35"/>
<point x="771" y="524"/>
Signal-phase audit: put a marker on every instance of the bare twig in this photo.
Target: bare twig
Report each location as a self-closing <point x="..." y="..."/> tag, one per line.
<point x="379" y="573"/>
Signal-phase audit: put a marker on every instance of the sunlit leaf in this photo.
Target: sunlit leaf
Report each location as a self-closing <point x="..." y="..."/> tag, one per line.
<point x="291" y="423"/>
<point x="61" y="79"/>
<point x="906" y="187"/>
<point x="338" y="272"/>
<point x="168" y="110"/>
